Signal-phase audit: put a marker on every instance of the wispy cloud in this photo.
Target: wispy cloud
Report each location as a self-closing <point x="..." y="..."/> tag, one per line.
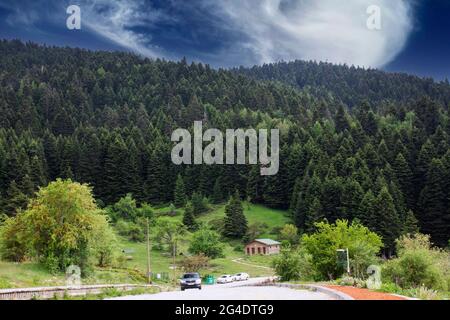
<point x="117" y="20"/>
<point x="325" y="30"/>
<point x="247" y="31"/>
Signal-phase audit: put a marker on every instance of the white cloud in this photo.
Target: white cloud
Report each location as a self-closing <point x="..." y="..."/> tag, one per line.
<point x="256" y="31"/>
<point x="114" y="21"/>
<point x="325" y="30"/>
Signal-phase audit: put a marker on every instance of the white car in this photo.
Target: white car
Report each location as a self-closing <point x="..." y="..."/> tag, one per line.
<point x="225" y="279"/>
<point x="241" y="276"/>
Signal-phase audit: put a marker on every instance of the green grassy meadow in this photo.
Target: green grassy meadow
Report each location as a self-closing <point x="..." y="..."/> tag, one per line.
<point x="15" y="275"/>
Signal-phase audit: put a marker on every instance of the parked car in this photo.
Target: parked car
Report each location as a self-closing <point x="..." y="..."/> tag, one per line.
<point x="190" y="281"/>
<point x="241" y="276"/>
<point x="225" y="279"/>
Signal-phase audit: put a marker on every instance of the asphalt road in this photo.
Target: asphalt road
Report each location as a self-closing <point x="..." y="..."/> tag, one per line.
<point x="233" y="291"/>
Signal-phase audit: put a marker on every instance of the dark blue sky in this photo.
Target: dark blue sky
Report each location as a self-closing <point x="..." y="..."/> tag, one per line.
<point x="427" y="52"/>
<point x="415" y="37"/>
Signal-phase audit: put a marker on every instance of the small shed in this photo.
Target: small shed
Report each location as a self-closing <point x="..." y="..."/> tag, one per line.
<point x="263" y="247"/>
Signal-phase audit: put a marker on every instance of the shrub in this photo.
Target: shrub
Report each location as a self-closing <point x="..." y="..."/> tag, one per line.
<point x="363" y="246"/>
<point x="61" y="226"/>
<point x="130" y="230"/>
<point x="194" y="263"/>
<point x="418" y="264"/>
<point x="351" y="281"/>
<point x="206" y="242"/>
<point x="289" y="233"/>
<point x="239" y="248"/>
<point x="127" y="209"/>
<point x="293" y="265"/>
<point x="287" y="265"/>
<point x="255" y="230"/>
<point x="424" y="293"/>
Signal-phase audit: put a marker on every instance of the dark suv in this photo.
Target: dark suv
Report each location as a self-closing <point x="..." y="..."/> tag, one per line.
<point x="190" y="281"/>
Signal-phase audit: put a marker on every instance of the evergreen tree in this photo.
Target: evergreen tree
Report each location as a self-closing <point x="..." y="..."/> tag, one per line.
<point x="189" y="218"/>
<point x="217" y="196"/>
<point x="367" y="211"/>
<point x="235" y="224"/>
<point x="15" y="199"/>
<point x="387" y="223"/>
<point x="198" y="203"/>
<point x="405" y="179"/>
<point x="433" y="201"/>
<point x="180" y="193"/>
<point x="410" y="225"/>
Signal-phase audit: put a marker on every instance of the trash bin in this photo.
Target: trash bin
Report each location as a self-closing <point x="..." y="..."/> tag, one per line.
<point x="209" y="279"/>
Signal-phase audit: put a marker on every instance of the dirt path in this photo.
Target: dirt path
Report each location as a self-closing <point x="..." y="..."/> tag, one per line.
<point x="365" y="294"/>
<point x="250" y="265"/>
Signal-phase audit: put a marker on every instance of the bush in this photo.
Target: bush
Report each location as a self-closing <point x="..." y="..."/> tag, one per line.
<point x="206" y="242"/>
<point x="363" y="246"/>
<point x="255" y="230"/>
<point x="289" y="233"/>
<point x="351" y="281"/>
<point x="195" y="263"/>
<point x="239" y="248"/>
<point x="127" y="209"/>
<point x="293" y="265"/>
<point x="418" y="264"/>
<point x="63" y="226"/>
<point x="130" y="230"/>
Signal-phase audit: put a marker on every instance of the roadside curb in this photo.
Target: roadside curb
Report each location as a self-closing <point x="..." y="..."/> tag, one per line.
<point x="332" y="293"/>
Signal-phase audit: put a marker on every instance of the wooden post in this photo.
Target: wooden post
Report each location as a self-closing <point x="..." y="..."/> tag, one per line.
<point x="149" y="270"/>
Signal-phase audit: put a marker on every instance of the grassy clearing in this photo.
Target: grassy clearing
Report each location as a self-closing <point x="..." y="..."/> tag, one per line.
<point x="254" y="213"/>
<point x="13" y="275"/>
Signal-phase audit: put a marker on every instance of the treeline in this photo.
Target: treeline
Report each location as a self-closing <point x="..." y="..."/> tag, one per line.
<point x="106" y="119"/>
<point x="349" y="84"/>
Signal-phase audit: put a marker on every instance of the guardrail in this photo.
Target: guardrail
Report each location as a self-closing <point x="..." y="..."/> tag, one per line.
<point x="61" y="291"/>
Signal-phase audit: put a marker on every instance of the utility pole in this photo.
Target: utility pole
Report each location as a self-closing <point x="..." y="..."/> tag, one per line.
<point x="174" y="252"/>
<point x="149" y="270"/>
<point x="348" y="263"/>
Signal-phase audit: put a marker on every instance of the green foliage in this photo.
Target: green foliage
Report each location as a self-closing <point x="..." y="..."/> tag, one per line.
<point x="195" y="263"/>
<point x="199" y="203"/>
<point x="418" y="264"/>
<point x="168" y="234"/>
<point x="293" y="264"/>
<point x="61" y="227"/>
<point x="130" y="230"/>
<point x="290" y="234"/>
<point x="345" y="133"/>
<point x="255" y="230"/>
<point x="363" y="246"/>
<point x="235" y="224"/>
<point x="206" y="242"/>
<point x="189" y="218"/>
<point x="127" y="209"/>
<point x="180" y="197"/>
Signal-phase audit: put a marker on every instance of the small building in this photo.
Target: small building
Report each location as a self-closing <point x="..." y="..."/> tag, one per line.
<point x="263" y="247"/>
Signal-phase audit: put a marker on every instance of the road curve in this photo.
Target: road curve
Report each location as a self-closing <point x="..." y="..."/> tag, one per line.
<point x="234" y="291"/>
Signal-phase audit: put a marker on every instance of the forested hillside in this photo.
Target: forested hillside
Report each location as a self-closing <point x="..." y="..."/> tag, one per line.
<point x="351" y="85"/>
<point x="354" y="143"/>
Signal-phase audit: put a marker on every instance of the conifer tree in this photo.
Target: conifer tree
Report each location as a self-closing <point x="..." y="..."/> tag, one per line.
<point x="410" y="225"/>
<point x="433" y="201"/>
<point x="405" y="179"/>
<point x="189" y="218"/>
<point x="217" y="196"/>
<point x="367" y="214"/>
<point x="180" y="197"/>
<point x="387" y="223"/>
<point x="235" y="224"/>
